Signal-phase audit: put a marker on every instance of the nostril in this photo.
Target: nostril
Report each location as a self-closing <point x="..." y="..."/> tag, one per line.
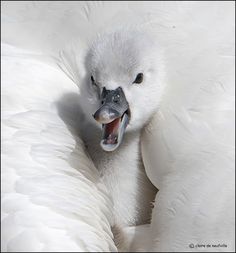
<point x="116" y="98"/>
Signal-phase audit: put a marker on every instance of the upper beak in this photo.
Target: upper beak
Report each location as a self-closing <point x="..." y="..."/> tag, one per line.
<point x="106" y="114"/>
<point x="114" y="106"/>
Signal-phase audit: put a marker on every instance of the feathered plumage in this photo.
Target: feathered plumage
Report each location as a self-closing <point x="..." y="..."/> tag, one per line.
<point x="52" y="197"/>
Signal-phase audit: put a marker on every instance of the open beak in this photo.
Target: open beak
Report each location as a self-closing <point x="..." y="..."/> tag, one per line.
<point x="114" y="115"/>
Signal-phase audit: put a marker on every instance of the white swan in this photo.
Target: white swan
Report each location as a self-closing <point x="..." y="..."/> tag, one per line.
<point x="45" y="199"/>
<point x="122" y="90"/>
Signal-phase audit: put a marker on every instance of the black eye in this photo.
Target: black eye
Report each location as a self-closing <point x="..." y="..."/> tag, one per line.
<point x="139" y="78"/>
<point x="93" y="81"/>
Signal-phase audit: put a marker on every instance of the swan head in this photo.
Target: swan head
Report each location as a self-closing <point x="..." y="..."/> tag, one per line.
<point x="123" y="85"/>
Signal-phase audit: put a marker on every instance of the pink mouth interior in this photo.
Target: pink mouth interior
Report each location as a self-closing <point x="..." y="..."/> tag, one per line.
<point x="111" y="131"/>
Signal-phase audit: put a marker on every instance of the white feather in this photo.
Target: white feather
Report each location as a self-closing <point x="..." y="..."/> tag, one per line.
<point x="52" y="198"/>
<point x="188" y="148"/>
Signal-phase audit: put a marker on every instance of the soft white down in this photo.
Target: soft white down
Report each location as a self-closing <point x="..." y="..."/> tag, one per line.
<point x="52" y="196"/>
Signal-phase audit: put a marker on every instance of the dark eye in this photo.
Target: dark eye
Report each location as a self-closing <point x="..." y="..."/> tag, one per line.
<point x="139" y="78"/>
<point x="93" y="81"/>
